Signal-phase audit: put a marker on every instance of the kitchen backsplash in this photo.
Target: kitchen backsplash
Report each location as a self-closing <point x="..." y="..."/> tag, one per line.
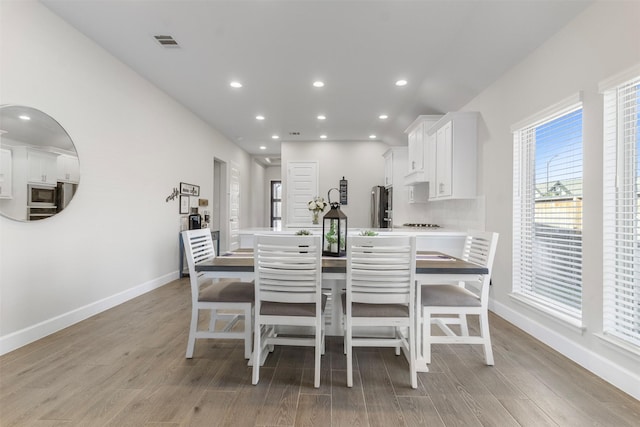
<point x="461" y="214"/>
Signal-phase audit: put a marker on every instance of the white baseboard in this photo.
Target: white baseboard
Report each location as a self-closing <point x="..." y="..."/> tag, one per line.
<point x="620" y="377"/>
<point x="40" y="330"/>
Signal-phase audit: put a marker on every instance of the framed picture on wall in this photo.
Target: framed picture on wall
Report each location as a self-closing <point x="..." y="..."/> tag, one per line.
<point x="190" y="189"/>
<point x="184" y="204"/>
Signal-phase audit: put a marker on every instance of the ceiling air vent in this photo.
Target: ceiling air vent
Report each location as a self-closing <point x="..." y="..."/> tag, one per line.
<point x="166" y="41"/>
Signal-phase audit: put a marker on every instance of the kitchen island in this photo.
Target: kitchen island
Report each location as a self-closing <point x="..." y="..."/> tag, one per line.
<point x="443" y="240"/>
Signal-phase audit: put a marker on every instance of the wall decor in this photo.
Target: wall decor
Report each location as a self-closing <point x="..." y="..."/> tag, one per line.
<point x="203" y="202"/>
<point x="184" y="204"/>
<point x="173" y="195"/>
<point x="190" y="189"/>
<point x="343" y="191"/>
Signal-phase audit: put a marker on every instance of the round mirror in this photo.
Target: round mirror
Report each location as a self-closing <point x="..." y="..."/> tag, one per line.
<point x="39" y="168"/>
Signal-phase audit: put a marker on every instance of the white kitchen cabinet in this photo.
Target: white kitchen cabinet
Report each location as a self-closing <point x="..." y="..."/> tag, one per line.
<point x="452" y="154"/>
<point x="43" y="167"/>
<point x="417" y="137"/>
<point x="68" y="168"/>
<point x="388" y="168"/>
<point x="418" y="193"/>
<point x="6" y="174"/>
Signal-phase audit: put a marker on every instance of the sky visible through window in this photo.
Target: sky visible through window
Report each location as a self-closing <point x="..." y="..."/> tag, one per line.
<point x="558" y="159"/>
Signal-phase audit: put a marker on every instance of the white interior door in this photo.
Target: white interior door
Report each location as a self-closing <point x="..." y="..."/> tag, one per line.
<point x="234" y="207"/>
<point x="302" y="186"/>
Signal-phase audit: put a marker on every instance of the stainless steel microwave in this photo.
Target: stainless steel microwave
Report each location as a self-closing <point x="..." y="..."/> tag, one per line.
<point x="40" y="195"/>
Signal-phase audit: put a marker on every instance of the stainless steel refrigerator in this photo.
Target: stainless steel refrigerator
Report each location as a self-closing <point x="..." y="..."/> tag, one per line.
<point x="381" y="207"/>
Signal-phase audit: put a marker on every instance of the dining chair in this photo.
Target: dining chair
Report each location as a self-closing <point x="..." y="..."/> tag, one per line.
<point x="233" y="298"/>
<point x="288" y="289"/>
<point x="449" y="304"/>
<point x="380" y="293"/>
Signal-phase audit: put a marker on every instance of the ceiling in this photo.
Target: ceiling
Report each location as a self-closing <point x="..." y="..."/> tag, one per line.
<point x="448" y="52"/>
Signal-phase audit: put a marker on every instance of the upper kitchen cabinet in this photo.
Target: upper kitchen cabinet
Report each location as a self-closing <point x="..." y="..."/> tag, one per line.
<point x="451" y="156"/>
<point x="43" y="167"/>
<point x="5" y="174"/>
<point x="68" y="168"/>
<point x="388" y="168"/>
<point x="417" y="149"/>
<point x="395" y="160"/>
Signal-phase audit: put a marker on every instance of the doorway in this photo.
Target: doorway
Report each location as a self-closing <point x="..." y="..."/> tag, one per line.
<point x="219" y="207"/>
<point x="275" y="217"/>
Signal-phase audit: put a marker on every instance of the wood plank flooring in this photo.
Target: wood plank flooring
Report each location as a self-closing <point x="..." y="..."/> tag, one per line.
<point x="126" y="367"/>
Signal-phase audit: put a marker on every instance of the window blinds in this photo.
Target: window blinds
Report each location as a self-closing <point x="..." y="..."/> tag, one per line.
<point x="547" y="214"/>
<point x="621" y="212"/>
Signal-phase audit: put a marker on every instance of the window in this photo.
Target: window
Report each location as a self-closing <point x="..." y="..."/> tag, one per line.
<point x="276" y="204"/>
<point x="547" y="211"/>
<point x="621" y="210"/>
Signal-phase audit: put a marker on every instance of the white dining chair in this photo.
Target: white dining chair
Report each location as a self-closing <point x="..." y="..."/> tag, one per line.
<point x="380" y="293"/>
<point x="234" y="298"/>
<point x="288" y="289"/>
<point x="449" y="304"/>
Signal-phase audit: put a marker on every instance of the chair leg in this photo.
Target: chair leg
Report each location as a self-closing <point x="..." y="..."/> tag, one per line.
<point x="212" y="319"/>
<point x="486" y="337"/>
<point x="426" y="336"/>
<point x="412" y="359"/>
<point x="257" y="347"/>
<point x="318" y="350"/>
<point x="248" y="327"/>
<point x="191" y="343"/>
<point x="464" y="328"/>
<point x="349" y="347"/>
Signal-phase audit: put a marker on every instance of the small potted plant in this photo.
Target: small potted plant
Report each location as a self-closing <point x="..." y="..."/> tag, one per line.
<point x="369" y="233"/>
<point x="303" y="233"/>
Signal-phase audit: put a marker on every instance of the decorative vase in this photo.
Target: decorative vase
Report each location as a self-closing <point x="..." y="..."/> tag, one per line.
<point x="315" y="219"/>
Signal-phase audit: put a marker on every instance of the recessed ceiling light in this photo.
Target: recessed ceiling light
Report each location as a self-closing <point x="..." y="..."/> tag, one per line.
<point x="318" y="83"/>
<point x="235" y="84"/>
<point x="372" y="137"/>
<point x="23" y="117"/>
<point x="275" y="137"/>
<point x="323" y="136"/>
<point x="322" y="117"/>
<point x="259" y="117"/>
<point x="383" y="117"/>
<point x="262" y="147"/>
<point x="401" y="82"/>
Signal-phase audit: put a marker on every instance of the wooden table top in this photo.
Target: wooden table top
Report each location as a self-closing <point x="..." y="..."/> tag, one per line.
<point x="426" y="263"/>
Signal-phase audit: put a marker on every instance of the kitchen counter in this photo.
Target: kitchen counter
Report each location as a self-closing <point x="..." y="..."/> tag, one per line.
<point x="443" y="240"/>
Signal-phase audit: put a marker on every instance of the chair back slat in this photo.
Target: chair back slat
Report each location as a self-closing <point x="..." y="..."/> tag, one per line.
<point x="288" y="268"/>
<point x="381" y="269"/>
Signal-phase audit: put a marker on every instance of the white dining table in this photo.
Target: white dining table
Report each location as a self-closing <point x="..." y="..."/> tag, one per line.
<point x="431" y="268"/>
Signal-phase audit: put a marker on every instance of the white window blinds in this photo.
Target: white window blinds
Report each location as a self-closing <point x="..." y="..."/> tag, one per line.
<point x="547" y="211"/>
<point x="622" y="211"/>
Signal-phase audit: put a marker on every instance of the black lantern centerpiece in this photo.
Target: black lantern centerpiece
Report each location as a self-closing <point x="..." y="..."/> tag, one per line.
<point x="334" y="230"/>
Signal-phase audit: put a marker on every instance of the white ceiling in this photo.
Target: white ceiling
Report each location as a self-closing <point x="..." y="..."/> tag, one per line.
<point x="447" y="50"/>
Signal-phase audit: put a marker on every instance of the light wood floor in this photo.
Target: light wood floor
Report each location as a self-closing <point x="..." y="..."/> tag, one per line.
<point x="126" y="367"/>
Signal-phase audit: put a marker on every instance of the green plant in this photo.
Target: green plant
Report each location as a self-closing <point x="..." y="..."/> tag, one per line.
<point x="368" y="233"/>
<point x="331" y="235"/>
<point x="303" y="233"/>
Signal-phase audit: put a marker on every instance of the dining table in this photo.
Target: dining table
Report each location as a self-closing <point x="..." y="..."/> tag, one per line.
<point x="431" y="268"/>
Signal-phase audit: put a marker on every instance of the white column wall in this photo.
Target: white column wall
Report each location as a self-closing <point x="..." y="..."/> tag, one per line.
<point x="119" y="237"/>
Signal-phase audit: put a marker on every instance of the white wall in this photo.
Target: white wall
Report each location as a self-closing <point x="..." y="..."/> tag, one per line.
<point x="600" y="42"/>
<point x="119" y="237"/>
<point x="361" y="163"/>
